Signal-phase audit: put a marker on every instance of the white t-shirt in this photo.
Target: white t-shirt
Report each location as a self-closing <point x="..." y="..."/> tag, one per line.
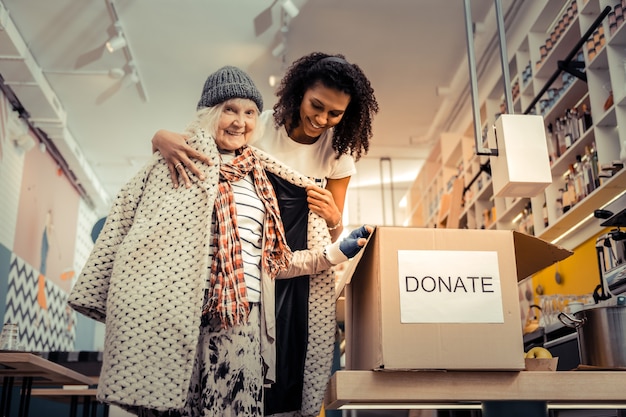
<point x="317" y="160"/>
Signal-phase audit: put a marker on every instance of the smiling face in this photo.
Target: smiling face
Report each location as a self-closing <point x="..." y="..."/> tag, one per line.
<point x="321" y="109"/>
<point x="236" y="124"/>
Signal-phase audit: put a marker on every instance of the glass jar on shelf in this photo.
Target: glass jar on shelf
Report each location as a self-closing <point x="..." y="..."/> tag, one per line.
<point x="10" y="337"/>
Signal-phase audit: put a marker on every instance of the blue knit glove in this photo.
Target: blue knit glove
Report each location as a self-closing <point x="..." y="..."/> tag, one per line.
<point x="348" y="247"/>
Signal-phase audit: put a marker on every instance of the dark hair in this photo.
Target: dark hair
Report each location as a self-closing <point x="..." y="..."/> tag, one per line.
<point x="352" y="134"/>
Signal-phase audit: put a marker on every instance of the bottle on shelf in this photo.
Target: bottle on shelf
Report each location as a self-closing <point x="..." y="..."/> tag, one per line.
<point x="595" y="165"/>
<point x="573" y="122"/>
<point x="608" y="103"/>
<point x="571" y="187"/>
<point x="591" y="49"/>
<point x="612" y="22"/>
<point x="619" y="14"/>
<point x="567" y="130"/>
<point x="559" y="133"/>
<point x="521" y="227"/>
<point x="587" y="172"/>
<point x="9" y="337"/>
<point x="586" y="117"/>
<point x="567" y="194"/>
<point x="579" y="181"/>
<point x="559" y="203"/>
<point x="552" y="146"/>
<point x="527" y="224"/>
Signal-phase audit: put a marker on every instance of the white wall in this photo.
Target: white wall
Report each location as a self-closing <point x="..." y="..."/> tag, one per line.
<point x="11" y="167"/>
<point x="368" y="202"/>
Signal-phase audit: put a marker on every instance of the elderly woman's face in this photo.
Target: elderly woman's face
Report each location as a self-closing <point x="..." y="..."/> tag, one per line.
<point x="236" y="124"/>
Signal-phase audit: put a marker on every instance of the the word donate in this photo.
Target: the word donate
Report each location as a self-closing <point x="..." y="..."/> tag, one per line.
<point x="442" y="286"/>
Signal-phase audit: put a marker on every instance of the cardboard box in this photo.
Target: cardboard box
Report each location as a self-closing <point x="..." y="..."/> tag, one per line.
<point x="440" y="298"/>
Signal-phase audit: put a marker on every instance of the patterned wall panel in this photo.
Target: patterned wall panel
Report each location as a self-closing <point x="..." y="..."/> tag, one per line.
<point x="44" y="325"/>
<point x="5" y="260"/>
<point x="85" y="222"/>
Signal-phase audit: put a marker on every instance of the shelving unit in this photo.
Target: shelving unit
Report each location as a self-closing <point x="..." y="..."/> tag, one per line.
<point x="589" y="146"/>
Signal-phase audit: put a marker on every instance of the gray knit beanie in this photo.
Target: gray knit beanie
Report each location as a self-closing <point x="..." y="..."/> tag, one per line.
<point x="226" y="83"/>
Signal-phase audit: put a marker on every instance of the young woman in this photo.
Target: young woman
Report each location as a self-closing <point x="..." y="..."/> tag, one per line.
<point x="184" y="278"/>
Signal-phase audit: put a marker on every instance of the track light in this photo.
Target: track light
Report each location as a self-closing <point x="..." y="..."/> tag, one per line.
<point x="443" y="91"/>
<point x="24" y="142"/>
<point x="116" y="73"/>
<point x="290" y="8"/>
<point x="279" y="49"/>
<point x="132" y="76"/>
<point x="116" y="42"/>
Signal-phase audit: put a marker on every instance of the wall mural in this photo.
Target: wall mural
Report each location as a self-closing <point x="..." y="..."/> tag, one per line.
<point x="41" y="329"/>
<point x="41" y="265"/>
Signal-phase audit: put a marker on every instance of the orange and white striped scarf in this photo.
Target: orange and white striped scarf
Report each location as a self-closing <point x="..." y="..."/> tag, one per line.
<point x="227" y="294"/>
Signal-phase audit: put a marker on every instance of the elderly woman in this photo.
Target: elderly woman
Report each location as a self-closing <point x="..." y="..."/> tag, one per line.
<point x="184" y="278"/>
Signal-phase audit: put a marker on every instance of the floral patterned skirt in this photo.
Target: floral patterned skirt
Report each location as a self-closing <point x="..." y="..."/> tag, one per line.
<point x="227" y="379"/>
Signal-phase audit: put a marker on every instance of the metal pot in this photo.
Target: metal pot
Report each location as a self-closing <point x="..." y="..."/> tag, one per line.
<point x="601" y="335"/>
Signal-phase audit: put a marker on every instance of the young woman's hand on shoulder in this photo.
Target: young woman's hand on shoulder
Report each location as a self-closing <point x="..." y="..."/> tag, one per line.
<point x="178" y="155"/>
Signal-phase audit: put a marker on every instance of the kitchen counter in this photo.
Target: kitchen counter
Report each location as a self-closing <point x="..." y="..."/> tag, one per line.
<point x="477" y="389"/>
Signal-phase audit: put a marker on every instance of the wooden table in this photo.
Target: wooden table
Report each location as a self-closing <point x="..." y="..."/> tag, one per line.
<point x="28" y="370"/>
<point x="72" y="396"/>
<point x="488" y="390"/>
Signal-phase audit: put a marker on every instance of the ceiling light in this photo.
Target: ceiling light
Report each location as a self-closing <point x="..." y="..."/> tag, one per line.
<point x="129" y="74"/>
<point x="24" y="142"/>
<point x="116" y="73"/>
<point x="132" y="76"/>
<point x="290" y="8"/>
<point x="273" y="80"/>
<point x="443" y="91"/>
<point x="279" y="50"/>
<point x="116" y="42"/>
<point x="478" y="27"/>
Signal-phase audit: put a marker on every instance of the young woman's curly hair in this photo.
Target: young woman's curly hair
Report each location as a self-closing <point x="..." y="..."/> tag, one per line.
<point x="352" y="134"/>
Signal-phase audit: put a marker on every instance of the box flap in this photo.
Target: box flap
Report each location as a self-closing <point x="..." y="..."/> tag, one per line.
<point x="534" y="254"/>
<point x="347" y="273"/>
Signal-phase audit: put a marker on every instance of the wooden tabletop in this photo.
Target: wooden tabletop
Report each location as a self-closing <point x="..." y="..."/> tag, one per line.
<point x="63" y="394"/>
<point x="440" y="387"/>
<point x="43" y="371"/>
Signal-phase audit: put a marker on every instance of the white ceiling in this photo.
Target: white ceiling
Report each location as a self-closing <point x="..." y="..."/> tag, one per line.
<point x="407" y="48"/>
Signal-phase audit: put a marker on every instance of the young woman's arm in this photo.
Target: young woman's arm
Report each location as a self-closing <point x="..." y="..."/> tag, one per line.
<point x="329" y="203"/>
<point x="178" y="155"/>
<point x="314" y="261"/>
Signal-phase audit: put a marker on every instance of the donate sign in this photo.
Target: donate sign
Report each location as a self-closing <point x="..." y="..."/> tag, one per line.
<point x="439" y="286"/>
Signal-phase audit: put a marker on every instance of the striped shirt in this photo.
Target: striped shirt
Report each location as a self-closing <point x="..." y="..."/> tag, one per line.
<point x="250" y="217"/>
